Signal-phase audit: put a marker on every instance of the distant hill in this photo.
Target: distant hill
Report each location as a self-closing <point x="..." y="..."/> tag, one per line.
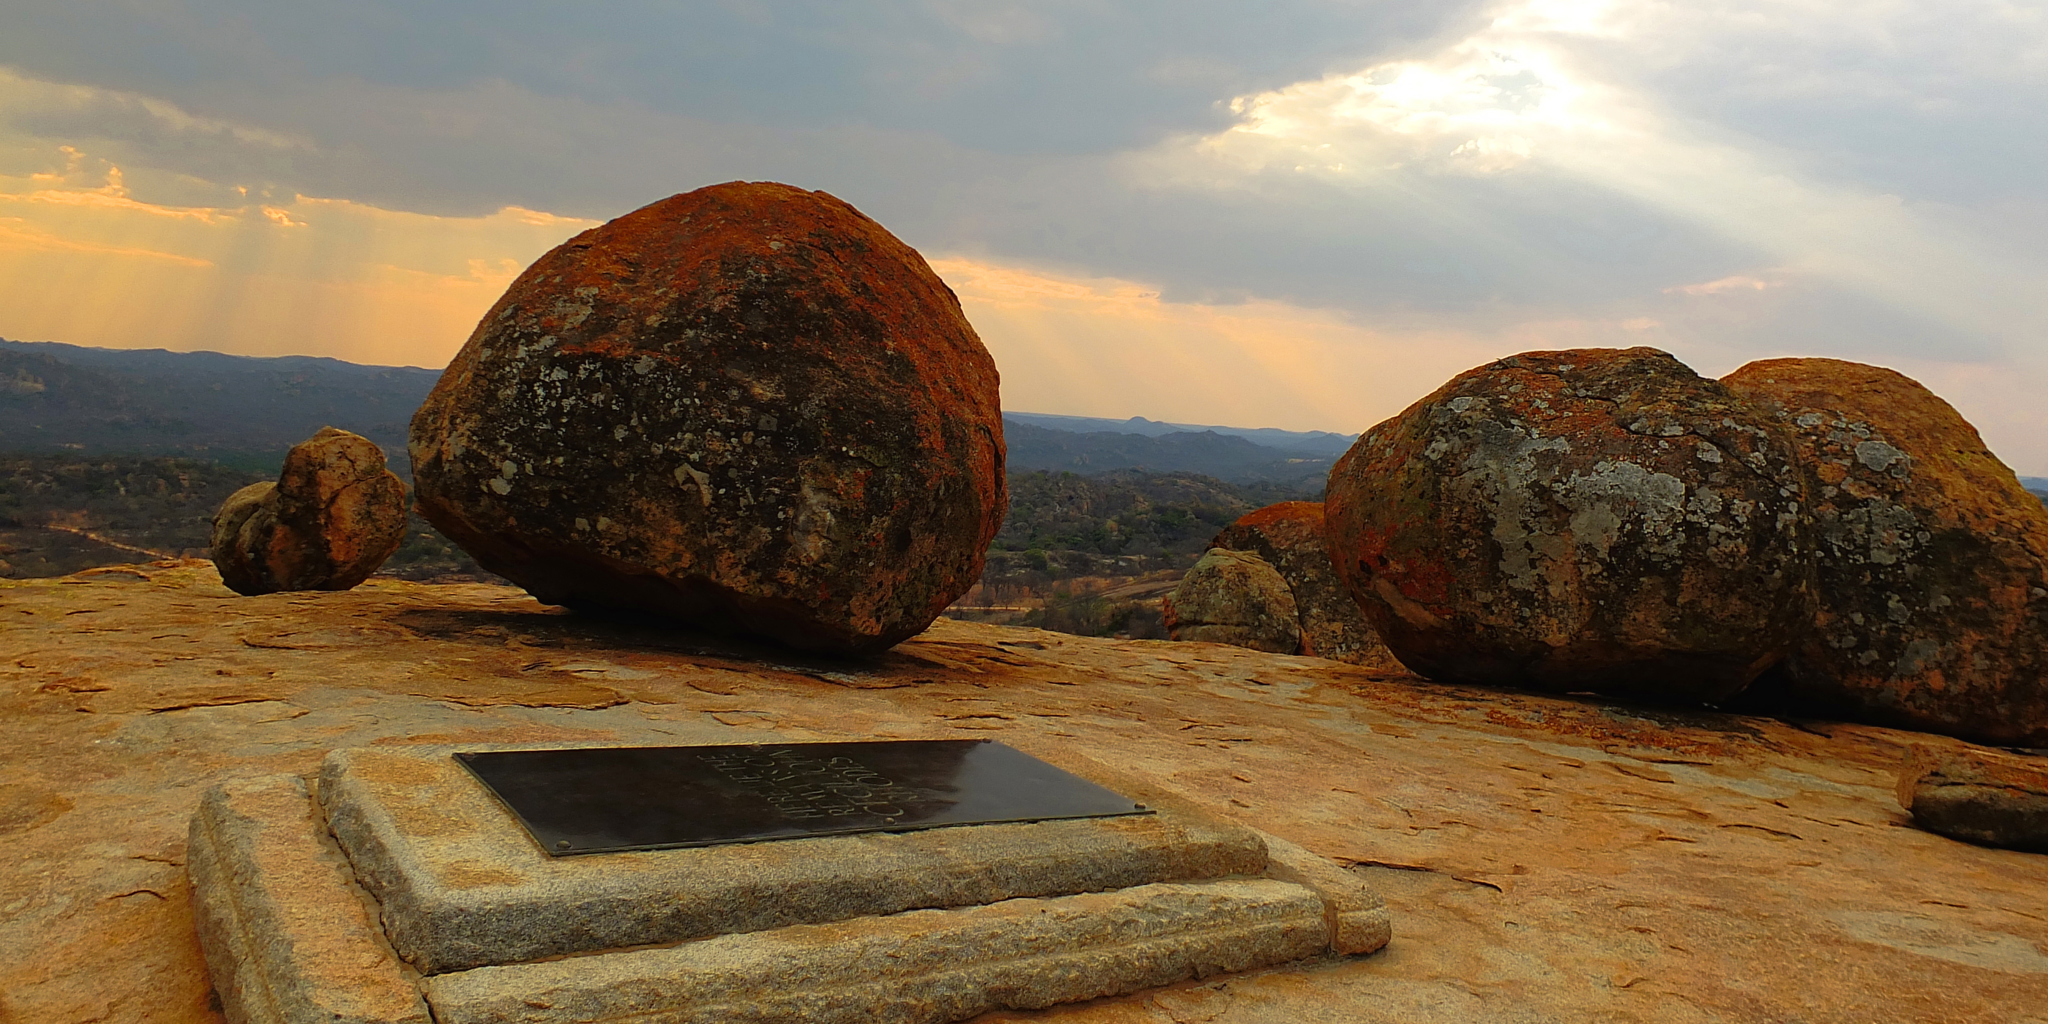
<point x="1092" y="554"/>
<point x="1224" y="456"/>
<point x="1318" y="442"/>
<point x="244" y="411"/>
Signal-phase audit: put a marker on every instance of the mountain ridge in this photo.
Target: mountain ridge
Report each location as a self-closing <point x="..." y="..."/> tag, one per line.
<point x="245" y="411"/>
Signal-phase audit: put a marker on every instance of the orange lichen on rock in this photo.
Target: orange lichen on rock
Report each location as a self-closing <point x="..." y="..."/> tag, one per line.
<point x="1932" y="559"/>
<point x="746" y="407"/>
<point x="1592" y="519"/>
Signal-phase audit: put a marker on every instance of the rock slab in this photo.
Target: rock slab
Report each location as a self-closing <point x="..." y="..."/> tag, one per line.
<point x="1237" y="598"/>
<point x="331" y="519"/>
<point x="1980" y="796"/>
<point x="292" y="940"/>
<point x="1932" y="559"/>
<point x="462" y="884"/>
<point x="747" y="407"/>
<point x="923" y="967"/>
<point x="1590" y="519"/>
<point x="287" y="936"/>
<point x="1289" y="537"/>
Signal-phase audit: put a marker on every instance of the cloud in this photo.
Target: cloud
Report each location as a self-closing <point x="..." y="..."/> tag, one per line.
<point x="1096" y="346"/>
<point x="1734" y="282"/>
<point x="1728" y="179"/>
<point x="90" y="264"/>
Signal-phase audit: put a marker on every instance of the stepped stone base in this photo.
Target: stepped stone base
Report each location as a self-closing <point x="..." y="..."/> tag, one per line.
<point x="921" y="966"/>
<point x="434" y="904"/>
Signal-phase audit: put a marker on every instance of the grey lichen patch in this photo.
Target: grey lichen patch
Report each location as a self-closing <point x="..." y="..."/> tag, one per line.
<point x="1618" y="495"/>
<point x="1879" y="456"/>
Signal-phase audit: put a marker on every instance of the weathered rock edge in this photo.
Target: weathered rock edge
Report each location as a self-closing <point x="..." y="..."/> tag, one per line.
<point x="1978" y="796"/>
<point x="287" y="937"/>
<point x="922" y="967"/>
<point x="462" y="885"/>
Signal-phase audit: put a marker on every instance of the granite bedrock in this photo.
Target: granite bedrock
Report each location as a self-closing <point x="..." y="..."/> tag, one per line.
<point x="1545" y="858"/>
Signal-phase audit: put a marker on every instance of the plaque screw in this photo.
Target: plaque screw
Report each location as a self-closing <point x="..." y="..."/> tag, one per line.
<point x="561" y="844"/>
<point x="1137" y="807"/>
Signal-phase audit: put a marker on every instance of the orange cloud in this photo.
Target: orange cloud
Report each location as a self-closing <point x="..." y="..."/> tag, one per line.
<point x="91" y="264"/>
<point x="1113" y="348"/>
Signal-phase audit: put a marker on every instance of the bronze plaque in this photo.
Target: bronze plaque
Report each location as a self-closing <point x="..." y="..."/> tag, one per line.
<point x="608" y="799"/>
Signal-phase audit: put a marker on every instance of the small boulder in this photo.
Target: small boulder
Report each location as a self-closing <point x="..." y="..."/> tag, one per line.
<point x="747" y="407"/>
<point x="1979" y="796"/>
<point x="333" y="516"/>
<point x="1234" y="597"/>
<point x="1593" y="519"/>
<point x="1289" y="537"/>
<point x="1932" y="559"/>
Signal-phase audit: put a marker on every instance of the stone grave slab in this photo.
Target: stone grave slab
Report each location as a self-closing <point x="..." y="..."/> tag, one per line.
<point x="470" y="917"/>
<point x="463" y="885"/>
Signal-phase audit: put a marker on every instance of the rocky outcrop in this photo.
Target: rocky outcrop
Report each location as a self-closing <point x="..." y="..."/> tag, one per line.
<point x="746" y="407"/>
<point x="333" y="516"/>
<point x="1932" y="560"/>
<point x="1236" y="598"/>
<point x="1593" y="519"/>
<point x="1289" y="537"/>
<point x="1979" y="796"/>
<point x="1547" y="859"/>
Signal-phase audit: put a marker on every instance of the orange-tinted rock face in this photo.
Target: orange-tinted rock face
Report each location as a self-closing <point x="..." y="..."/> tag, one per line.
<point x="1289" y="536"/>
<point x="1933" y="560"/>
<point x="1594" y="519"/>
<point x="331" y="519"/>
<point x="747" y="406"/>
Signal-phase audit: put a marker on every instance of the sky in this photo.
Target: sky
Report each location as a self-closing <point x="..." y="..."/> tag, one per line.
<point x="1294" y="213"/>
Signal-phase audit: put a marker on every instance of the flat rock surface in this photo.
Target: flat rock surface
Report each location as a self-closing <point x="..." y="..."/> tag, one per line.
<point x="1545" y="859"/>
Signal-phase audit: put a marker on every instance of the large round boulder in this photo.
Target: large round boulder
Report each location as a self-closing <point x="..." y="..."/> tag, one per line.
<point x="331" y="519"/>
<point x="1932" y="559"/>
<point x="1289" y="537"/>
<point x="1233" y="597"/>
<point x="1592" y="519"/>
<point x="747" y="407"/>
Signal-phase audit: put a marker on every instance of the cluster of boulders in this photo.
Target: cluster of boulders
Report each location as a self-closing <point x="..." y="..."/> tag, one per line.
<point x="1608" y="520"/>
<point x="1267" y="583"/>
<point x="751" y="408"/>
<point x="748" y="408"/>
<point x="1810" y="535"/>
